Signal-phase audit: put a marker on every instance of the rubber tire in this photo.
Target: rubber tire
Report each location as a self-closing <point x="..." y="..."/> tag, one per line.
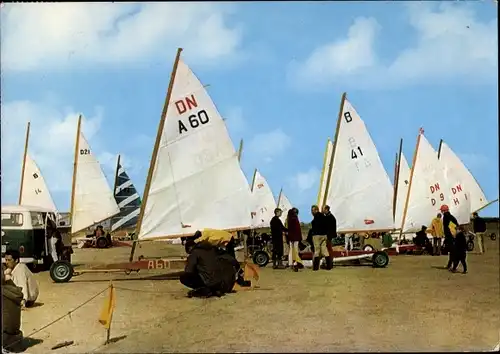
<point x="61" y="272"/>
<point x="368" y="248"/>
<point x="101" y="242"/>
<point x="470" y="246"/>
<point x="380" y="259"/>
<point x="493" y="236"/>
<point x="261" y="258"/>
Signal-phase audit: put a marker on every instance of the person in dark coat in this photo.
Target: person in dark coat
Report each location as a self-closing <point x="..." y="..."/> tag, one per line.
<point x="460" y="252"/>
<point x="449" y="223"/>
<point x="331" y="224"/>
<point x="277" y="229"/>
<point x="204" y="273"/>
<point x="319" y="226"/>
<point x="294" y="238"/>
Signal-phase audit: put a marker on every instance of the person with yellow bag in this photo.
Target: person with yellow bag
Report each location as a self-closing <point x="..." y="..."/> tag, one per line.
<point x="437" y="232"/>
<point x="450" y="224"/>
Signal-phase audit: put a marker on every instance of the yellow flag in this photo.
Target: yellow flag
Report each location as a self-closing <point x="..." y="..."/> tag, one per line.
<point x="108" y="308"/>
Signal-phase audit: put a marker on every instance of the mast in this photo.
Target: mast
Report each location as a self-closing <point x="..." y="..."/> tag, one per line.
<point x="397" y="168"/>
<point x="253" y="179"/>
<point x="325" y="157"/>
<point x="116" y="174"/>
<point x="24" y="162"/>
<point x="414" y="160"/>
<point x="279" y="198"/>
<point x="155" y="151"/>
<point x="75" y="169"/>
<point x="240" y="150"/>
<point x="329" y="175"/>
<point x="439" y="149"/>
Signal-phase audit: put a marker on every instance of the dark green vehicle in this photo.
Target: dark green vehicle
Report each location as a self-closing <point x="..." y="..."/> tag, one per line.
<point x="24" y="229"/>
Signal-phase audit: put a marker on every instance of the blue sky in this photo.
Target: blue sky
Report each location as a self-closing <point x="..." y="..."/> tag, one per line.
<point x="276" y="72"/>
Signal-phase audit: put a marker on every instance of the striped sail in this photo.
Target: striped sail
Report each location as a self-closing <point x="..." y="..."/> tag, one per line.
<point x="128" y="201"/>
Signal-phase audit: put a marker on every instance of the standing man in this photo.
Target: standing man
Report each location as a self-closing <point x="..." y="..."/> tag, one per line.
<point x="450" y="225"/>
<point x="479" y="226"/>
<point x="319" y="232"/>
<point x="436" y="230"/>
<point x="22" y="277"/>
<point x="331" y="222"/>
<point x="277" y="230"/>
<point x="460" y="251"/>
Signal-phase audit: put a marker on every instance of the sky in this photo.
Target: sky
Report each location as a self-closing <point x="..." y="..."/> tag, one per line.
<point x="276" y="72"/>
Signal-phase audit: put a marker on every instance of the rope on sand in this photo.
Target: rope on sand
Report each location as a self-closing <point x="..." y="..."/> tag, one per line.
<point x="59" y="318"/>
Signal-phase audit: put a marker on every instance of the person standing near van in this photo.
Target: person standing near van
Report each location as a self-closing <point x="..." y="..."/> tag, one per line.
<point x="22" y="277"/>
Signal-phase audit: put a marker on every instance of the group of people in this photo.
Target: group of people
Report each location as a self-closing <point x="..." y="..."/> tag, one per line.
<point x="323" y="230"/>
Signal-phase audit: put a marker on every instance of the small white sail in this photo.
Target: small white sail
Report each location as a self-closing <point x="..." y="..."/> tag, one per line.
<point x="264" y="202"/>
<point x="324" y="174"/>
<point x="361" y="193"/>
<point x="459" y="194"/>
<point x="285" y="205"/>
<point x="477" y="198"/>
<point x="197" y="181"/>
<point x="35" y="191"/>
<point x="402" y="189"/>
<point x="93" y="200"/>
<point x="428" y="190"/>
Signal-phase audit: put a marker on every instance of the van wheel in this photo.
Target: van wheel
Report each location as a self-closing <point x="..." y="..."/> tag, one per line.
<point x="380" y="259"/>
<point x="470" y="246"/>
<point x="61" y="271"/>
<point x="101" y="242"/>
<point x="260" y="258"/>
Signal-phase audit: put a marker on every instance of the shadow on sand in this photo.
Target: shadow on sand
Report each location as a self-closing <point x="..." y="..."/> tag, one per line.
<point x="23" y="345"/>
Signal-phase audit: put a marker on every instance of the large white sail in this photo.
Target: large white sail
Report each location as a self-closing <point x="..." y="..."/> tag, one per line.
<point x="428" y="190"/>
<point x="459" y="194"/>
<point x="402" y="189"/>
<point x="35" y="191"/>
<point x="93" y="199"/>
<point x="285" y="205"/>
<point x="324" y="173"/>
<point x="361" y="193"/>
<point x="263" y="200"/>
<point x="128" y="201"/>
<point x="197" y="181"/>
<point x="477" y="198"/>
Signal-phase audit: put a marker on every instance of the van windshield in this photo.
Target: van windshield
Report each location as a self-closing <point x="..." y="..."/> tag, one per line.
<point x="37" y="219"/>
<point x="12" y="219"/>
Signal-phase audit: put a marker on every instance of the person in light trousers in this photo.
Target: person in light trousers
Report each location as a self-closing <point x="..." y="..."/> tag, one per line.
<point x="294" y="237"/>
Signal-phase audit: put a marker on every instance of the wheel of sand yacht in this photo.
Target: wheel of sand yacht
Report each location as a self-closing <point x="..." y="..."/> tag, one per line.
<point x="368" y="248"/>
<point x="493" y="236"/>
<point x="261" y="258"/>
<point x="380" y="259"/>
<point x="61" y="271"/>
<point x="470" y="246"/>
<point x="101" y="242"/>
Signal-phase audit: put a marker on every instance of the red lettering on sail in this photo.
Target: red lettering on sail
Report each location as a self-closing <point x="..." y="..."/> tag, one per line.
<point x="369" y="221"/>
<point x="433" y="201"/>
<point x="186" y="104"/>
<point x="441" y="196"/>
<point x="456" y="189"/>
<point x="260" y="185"/>
<point x="456" y="201"/>
<point x="435" y="188"/>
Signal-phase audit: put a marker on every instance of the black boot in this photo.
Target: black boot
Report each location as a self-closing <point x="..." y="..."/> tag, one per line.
<point x="316" y="262"/>
<point x="329" y="263"/>
<point x="275" y="264"/>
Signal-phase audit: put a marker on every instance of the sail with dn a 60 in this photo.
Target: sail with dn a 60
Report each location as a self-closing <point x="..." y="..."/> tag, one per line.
<point x="264" y="203"/>
<point x="285" y="205"/>
<point x="478" y="199"/>
<point x="195" y="180"/>
<point x="127" y="198"/>
<point x="92" y="200"/>
<point x="324" y="173"/>
<point x="358" y="189"/>
<point x="34" y="190"/>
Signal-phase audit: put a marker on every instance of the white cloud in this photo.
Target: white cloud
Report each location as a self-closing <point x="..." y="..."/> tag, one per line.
<point x="51" y="144"/>
<point x="304" y="181"/>
<point x="59" y="35"/>
<point x="267" y="146"/>
<point x="451" y="43"/>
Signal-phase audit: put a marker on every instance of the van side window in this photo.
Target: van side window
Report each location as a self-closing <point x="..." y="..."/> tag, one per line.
<point x="36" y="219"/>
<point x="12" y="219"/>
